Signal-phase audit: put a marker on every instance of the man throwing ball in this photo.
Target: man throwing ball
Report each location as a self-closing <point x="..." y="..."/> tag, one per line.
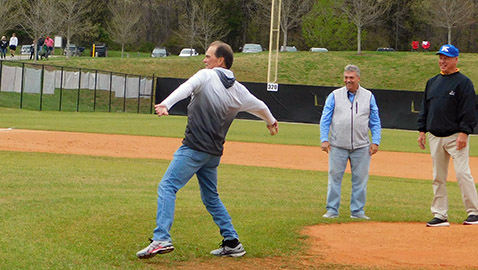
<point x="216" y="98"/>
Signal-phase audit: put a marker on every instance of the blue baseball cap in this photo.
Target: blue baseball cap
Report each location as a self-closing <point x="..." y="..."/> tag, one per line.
<point x="449" y="50"/>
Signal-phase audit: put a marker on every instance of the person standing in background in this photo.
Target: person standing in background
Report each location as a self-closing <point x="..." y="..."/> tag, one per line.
<point x="448" y="115"/>
<point x="13" y="44"/>
<point x="3" y="47"/>
<point x="40" y="51"/>
<point x="32" y="50"/>
<point x="348" y="114"/>
<point x="49" y="46"/>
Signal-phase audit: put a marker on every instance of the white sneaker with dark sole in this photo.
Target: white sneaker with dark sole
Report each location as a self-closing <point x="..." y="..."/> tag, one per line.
<point x="156" y="247"/>
<point x="225" y="251"/>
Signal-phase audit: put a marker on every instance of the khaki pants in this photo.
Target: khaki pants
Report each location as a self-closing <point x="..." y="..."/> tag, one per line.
<point x="441" y="149"/>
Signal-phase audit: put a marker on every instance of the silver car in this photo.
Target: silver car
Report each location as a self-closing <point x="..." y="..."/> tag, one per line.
<point x="288" y="49"/>
<point x="159" y="52"/>
<point x="252" y="48"/>
<point x="318" y="50"/>
<point x="72" y="49"/>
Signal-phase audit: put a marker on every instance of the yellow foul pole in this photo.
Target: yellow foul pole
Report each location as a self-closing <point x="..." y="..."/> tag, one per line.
<point x="273" y="65"/>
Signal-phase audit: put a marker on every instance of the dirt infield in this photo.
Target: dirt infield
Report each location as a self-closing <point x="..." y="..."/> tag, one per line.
<point x="394" y="164"/>
<point x="362" y="244"/>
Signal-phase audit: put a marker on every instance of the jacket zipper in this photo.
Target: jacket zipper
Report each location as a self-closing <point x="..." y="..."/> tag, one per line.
<point x="352" y="124"/>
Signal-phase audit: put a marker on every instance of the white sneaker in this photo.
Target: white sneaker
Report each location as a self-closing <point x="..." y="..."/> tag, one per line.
<point x="330" y="215"/>
<point x="225" y="251"/>
<point x="360" y="217"/>
<point x="156" y="247"/>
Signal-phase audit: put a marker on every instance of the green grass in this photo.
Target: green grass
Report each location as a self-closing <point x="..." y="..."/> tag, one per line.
<point x="379" y="70"/>
<point x="173" y="126"/>
<point x="83" y="212"/>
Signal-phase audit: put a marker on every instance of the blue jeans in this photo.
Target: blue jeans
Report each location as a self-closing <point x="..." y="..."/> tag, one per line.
<point x="359" y="164"/>
<point x="48" y="51"/>
<point x="187" y="162"/>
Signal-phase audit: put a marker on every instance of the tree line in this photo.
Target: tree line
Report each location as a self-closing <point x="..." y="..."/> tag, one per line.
<point x="141" y="25"/>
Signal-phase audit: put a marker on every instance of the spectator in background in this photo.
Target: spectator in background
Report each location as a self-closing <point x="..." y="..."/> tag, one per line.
<point x="40" y="43"/>
<point x="348" y="114"/>
<point x="3" y="47"/>
<point x="32" y="50"/>
<point x="13" y="44"/>
<point x="49" y="46"/>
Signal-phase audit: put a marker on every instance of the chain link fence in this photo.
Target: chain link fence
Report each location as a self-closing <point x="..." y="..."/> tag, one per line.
<point x="56" y="88"/>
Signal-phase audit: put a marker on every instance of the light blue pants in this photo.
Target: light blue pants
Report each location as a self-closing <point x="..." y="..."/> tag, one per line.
<point x="187" y="162"/>
<point x="359" y="164"/>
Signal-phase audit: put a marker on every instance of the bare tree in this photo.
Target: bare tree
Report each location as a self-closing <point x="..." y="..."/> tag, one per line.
<point x="8" y="12"/>
<point x="37" y="18"/>
<point x="124" y="21"/>
<point x="202" y="24"/>
<point x="208" y="26"/>
<point x="157" y="19"/>
<point x="75" y="20"/>
<point x="247" y="9"/>
<point x="292" y="12"/>
<point x="187" y="24"/>
<point x="448" y="14"/>
<point x="400" y="11"/>
<point x="363" y="13"/>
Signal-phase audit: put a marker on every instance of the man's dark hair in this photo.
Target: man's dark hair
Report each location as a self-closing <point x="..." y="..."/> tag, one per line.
<point x="224" y="50"/>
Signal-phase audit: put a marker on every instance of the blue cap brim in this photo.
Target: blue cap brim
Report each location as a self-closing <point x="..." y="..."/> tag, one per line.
<point x="447" y="54"/>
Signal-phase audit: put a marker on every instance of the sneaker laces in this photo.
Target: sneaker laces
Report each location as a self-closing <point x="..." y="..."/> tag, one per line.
<point x="150" y="242"/>
<point x="222" y="244"/>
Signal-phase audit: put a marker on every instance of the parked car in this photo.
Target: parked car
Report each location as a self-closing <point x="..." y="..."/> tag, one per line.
<point x="385" y="49"/>
<point x="26" y="49"/>
<point x="101" y="50"/>
<point x="252" y="48"/>
<point x="186" y="52"/>
<point x="73" y="50"/>
<point x="318" y="50"/>
<point x="288" y="49"/>
<point x="159" y="52"/>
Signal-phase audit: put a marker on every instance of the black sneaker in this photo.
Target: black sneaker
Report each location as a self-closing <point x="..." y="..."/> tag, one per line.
<point x="471" y="220"/>
<point x="436" y="222"/>
<point x="227" y="251"/>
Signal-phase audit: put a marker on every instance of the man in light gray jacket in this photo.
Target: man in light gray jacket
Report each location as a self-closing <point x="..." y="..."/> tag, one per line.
<point x="348" y="114"/>
<point x="216" y="98"/>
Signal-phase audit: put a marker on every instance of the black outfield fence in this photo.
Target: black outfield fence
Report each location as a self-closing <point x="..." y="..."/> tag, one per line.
<point x="49" y="87"/>
<point x="304" y="104"/>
